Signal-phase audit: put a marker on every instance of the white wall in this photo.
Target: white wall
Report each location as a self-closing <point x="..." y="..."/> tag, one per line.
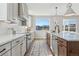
<point x="3" y="28"/>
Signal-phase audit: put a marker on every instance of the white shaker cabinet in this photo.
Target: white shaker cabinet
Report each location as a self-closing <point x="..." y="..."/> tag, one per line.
<point x="8" y="11"/>
<point x="16" y="47"/>
<point x="5" y="49"/>
<point x="23" y="47"/>
<point x="12" y="11"/>
<point x="16" y="50"/>
<point x="19" y="46"/>
<point x="7" y="53"/>
<point x="3" y="11"/>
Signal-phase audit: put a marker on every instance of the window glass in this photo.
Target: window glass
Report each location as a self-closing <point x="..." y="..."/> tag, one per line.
<point x="42" y="24"/>
<point x="70" y="24"/>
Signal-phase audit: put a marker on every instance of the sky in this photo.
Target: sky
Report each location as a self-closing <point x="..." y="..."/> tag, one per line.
<point x="42" y="21"/>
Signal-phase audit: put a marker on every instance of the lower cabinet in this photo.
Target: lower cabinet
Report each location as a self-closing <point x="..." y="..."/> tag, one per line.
<point x="7" y="53"/>
<point x="62" y="47"/>
<point x="23" y="47"/>
<point x="20" y="48"/>
<point x="5" y="50"/>
<point x="16" y="47"/>
<point x="16" y="50"/>
<point x="67" y="48"/>
<point x="62" y="50"/>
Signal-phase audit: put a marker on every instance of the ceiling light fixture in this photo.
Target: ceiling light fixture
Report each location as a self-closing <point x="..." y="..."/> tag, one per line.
<point x="69" y="11"/>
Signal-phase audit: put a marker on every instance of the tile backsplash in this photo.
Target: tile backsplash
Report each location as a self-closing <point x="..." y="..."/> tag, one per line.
<point x="3" y="28"/>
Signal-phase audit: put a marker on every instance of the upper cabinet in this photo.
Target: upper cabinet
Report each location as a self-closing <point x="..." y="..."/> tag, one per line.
<point x="22" y="10"/>
<point x="8" y="11"/>
<point x="12" y="11"/>
<point x="23" y="14"/>
<point x="3" y="11"/>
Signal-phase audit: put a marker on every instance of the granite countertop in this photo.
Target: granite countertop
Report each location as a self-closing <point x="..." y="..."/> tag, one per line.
<point x="7" y="38"/>
<point x="69" y="36"/>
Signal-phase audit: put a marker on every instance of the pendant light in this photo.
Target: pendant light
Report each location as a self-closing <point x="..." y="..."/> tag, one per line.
<point x="70" y="11"/>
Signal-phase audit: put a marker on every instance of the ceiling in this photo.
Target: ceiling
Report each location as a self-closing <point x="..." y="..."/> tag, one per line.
<point x="47" y="9"/>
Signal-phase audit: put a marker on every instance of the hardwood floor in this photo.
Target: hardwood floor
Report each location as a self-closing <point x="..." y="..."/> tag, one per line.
<point x="39" y="48"/>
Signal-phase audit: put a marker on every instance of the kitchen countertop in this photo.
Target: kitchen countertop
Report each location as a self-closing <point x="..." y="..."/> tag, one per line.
<point x="69" y="36"/>
<point x="7" y="38"/>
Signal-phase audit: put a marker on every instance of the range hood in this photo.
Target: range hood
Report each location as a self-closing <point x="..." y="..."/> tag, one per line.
<point x="70" y="11"/>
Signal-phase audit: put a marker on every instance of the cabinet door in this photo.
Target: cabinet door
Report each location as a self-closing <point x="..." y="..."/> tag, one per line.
<point x="23" y="10"/>
<point x="23" y="47"/>
<point x="62" y="50"/>
<point x="3" y="11"/>
<point x="7" y="53"/>
<point x="15" y="10"/>
<point x="9" y="11"/>
<point x="16" y="50"/>
<point x="12" y="10"/>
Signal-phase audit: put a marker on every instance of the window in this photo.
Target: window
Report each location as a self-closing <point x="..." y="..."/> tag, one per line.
<point x="42" y="24"/>
<point x="70" y="25"/>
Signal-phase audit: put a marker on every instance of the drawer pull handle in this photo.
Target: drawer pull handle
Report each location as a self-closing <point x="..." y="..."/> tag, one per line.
<point x="3" y="50"/>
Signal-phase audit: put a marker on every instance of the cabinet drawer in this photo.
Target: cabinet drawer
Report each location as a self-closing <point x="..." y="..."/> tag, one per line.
<point x="62" y="41"/>
<point x="17" y="41"/>
<point x="4" y="48"/>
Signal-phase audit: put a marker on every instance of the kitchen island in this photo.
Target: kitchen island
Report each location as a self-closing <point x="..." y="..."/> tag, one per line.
<point x="68" y="44"/>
